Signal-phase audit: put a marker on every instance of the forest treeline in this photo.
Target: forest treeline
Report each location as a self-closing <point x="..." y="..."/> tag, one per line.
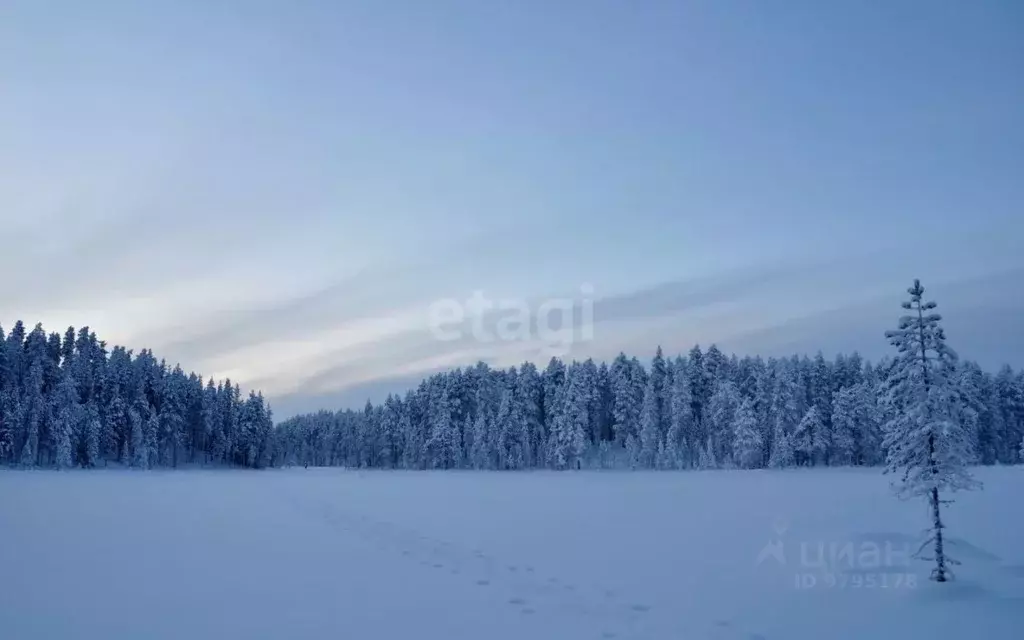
<point x="699" y="410"/>
<point x="67" y="400"/>
<point x="70" y="401"/>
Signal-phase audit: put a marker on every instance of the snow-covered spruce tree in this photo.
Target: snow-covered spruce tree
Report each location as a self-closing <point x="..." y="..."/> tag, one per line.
<point x="33" y="415"/>
<point x="529" y="390"/>
<point x="589" y="372"/>
<point x="650" y="436"/>
<point x="747" y="445"/>
<point x="625" y="409"/>
<point x="869" y="439"/>
<point x="65" y="410"/>
<point x="680" y="430"/>
<point x="924" y="443"/>
<point x="716" y="366"/>
<point x="479" y="454"/>
<point x="821" y="388"/>
<point x="139" y="446"/>
<point x="980" y="413"/>
<point x="786" y="411"/>
<point x="387" y="449"/>
<point x="413" y="432"/>
<point x="443" y="443"/>
<point x="854" y="425"/>
<point x="152" y="429"/>
<point x="568" y="435"/>
<point x="762" y="394"/>
<point x="782" y="449"/>
<point x="601" y="406"/>
<point x="10" y="422"/>
<point x="807" y="440"/>
<point x="552" y="390"/>
<point x="707" y="458"/>
<point x="1011" y="408"/>
<point x="91" y="428"/>
<point x="845" y="425"/>
<point x="700" y="394"/>
<point x="511" y="431"/>
<point x="720" y="417"/>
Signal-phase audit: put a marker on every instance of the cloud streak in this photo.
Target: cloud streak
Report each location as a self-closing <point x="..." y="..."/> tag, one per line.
<point x="282" y="195"/>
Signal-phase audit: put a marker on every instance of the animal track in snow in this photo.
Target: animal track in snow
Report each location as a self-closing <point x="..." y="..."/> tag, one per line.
<point x="522" y="585"/>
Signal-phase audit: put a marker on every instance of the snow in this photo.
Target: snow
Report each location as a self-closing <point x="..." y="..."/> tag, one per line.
<point x="327" y="553"/>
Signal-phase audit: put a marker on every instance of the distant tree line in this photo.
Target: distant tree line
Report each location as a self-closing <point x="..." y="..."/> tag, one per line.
<point x="701" y="410"/>
<point x="67" y="401"/>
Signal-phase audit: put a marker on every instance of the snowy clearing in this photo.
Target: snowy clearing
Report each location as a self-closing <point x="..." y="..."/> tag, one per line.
<point x="324" y="553"/>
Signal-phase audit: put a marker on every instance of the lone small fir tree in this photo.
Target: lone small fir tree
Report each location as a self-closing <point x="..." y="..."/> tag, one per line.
<point x="925" y="442"/>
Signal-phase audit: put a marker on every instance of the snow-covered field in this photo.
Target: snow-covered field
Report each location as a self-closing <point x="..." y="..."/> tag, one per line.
<point x="342" y="554"/>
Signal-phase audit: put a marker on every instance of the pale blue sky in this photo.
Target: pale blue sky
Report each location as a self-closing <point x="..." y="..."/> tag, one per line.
<point x="278" y="191"/>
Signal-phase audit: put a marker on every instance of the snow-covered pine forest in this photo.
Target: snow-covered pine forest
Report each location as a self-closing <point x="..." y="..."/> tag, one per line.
<point x="70" y="401"/>
<point x="699" y="410"/>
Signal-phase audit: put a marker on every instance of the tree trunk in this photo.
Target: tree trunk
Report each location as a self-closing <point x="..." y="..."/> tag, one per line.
<point x="939" y="574"/>
<point x="940" y="555"/>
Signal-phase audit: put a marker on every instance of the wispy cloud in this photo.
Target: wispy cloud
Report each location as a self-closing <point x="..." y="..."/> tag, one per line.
<point x="245" y="204"/>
